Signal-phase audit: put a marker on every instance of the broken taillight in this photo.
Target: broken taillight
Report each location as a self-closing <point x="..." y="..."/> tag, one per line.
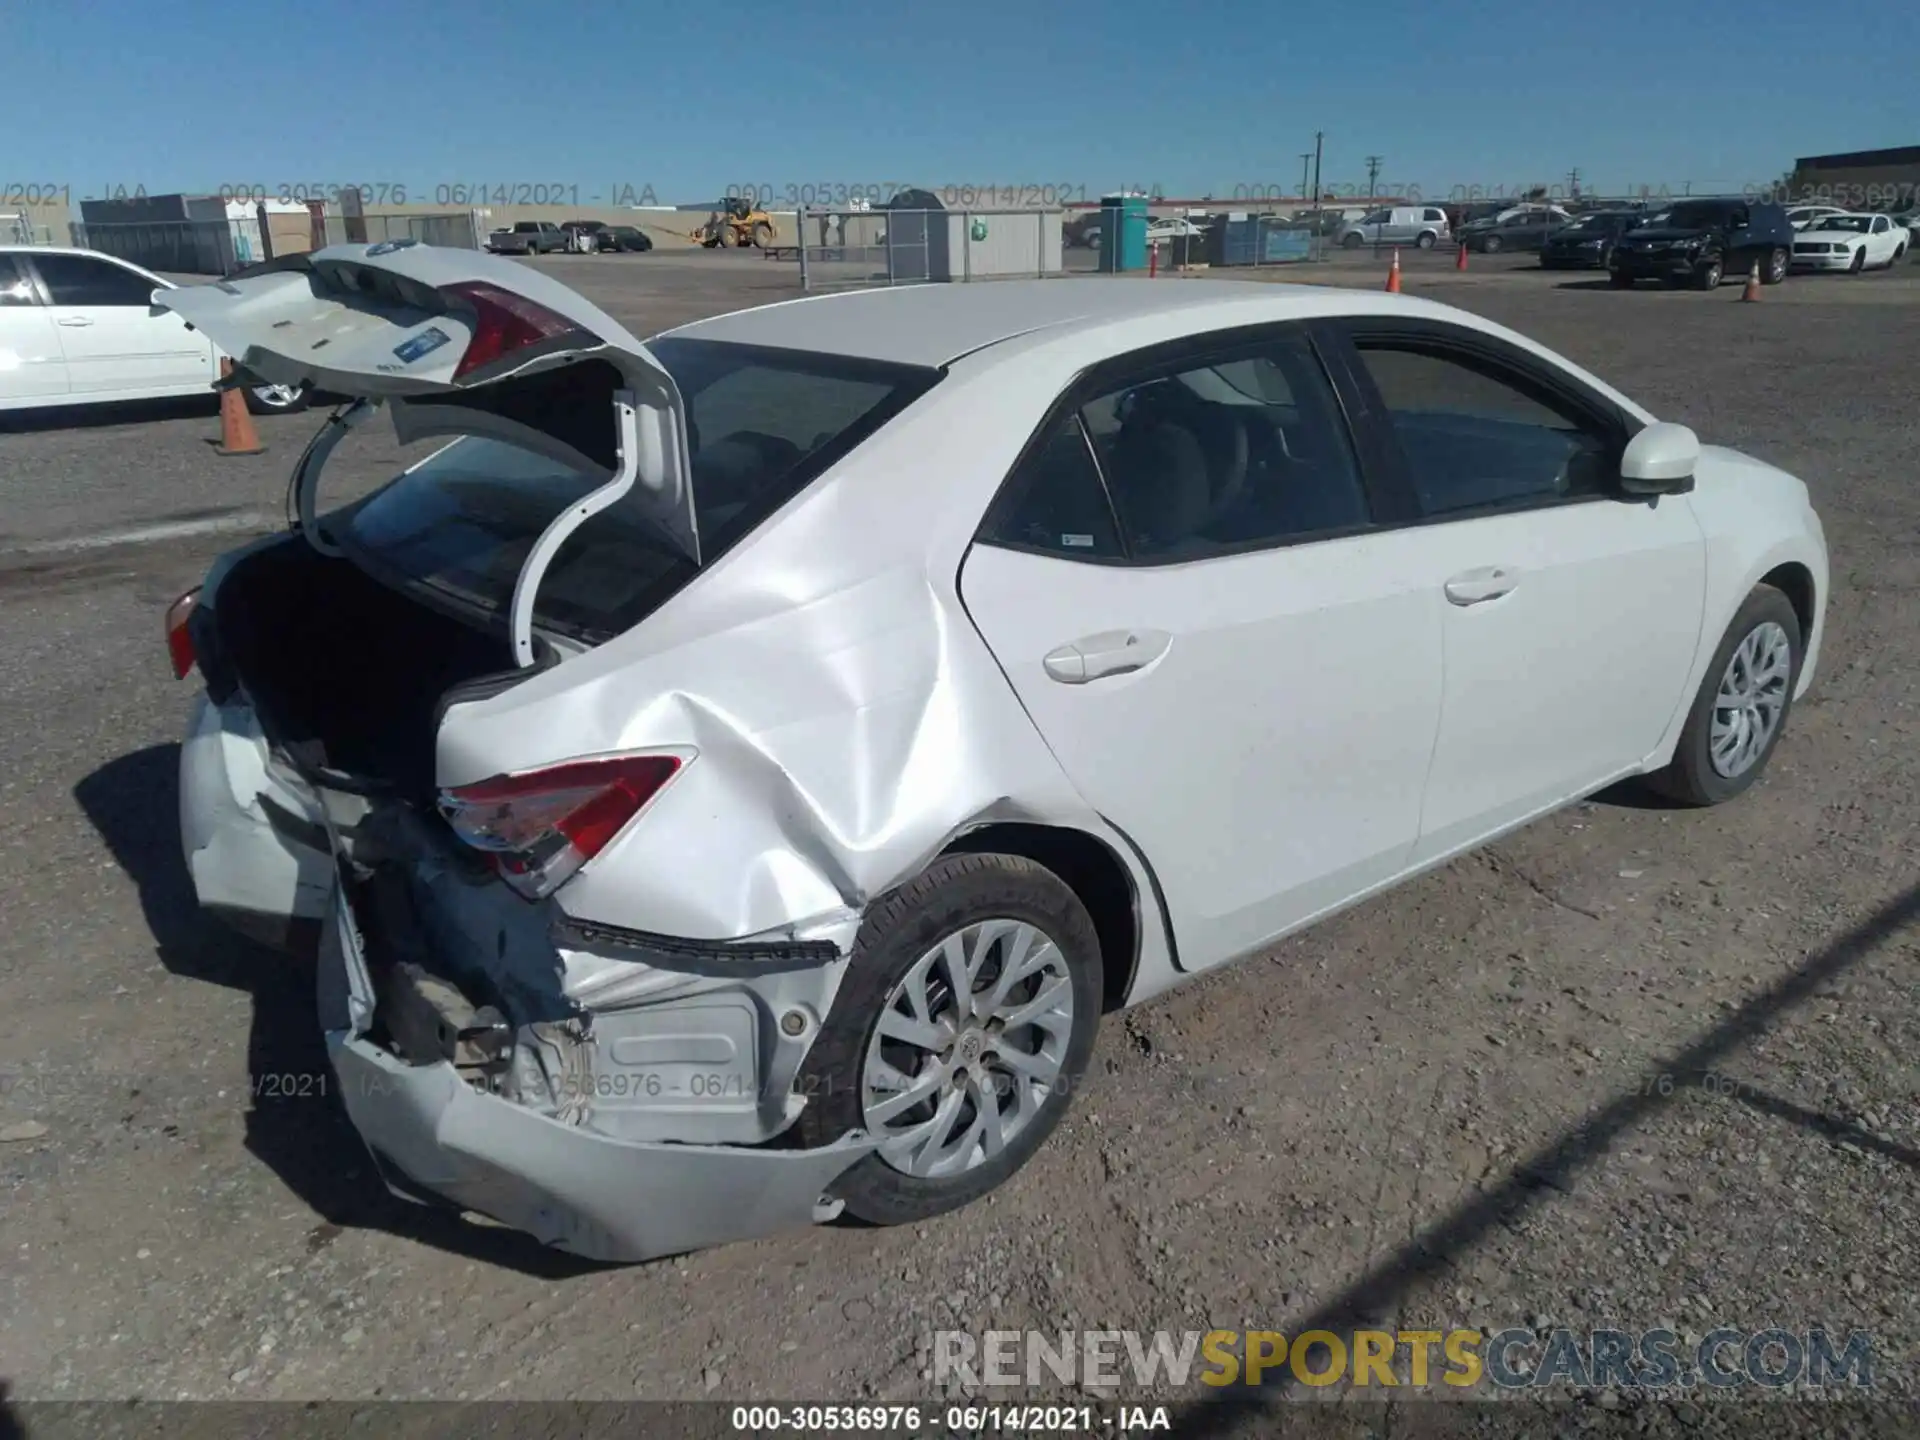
<point x="541" y="827"/>
<point x="503" y="322"/>
<point x="179" y="638"/>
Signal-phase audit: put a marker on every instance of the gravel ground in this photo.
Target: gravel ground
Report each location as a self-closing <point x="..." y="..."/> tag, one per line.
<point x="1632" y="1066"/>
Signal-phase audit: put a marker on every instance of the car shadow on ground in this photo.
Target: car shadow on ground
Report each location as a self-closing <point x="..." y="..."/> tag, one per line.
<point x="295" y="1124"/>
<point x="1557" y="1166"/>
<point x="98" y="417"/>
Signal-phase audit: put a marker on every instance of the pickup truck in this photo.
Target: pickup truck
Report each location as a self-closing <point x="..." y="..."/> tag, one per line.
<point x="530" y="237"/>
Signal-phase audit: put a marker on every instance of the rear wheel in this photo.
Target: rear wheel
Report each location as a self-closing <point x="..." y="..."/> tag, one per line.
<point x="1425" y="242"/>
<point x="763" y="236"/>
<point x="1775" y="270"/>
<point x="965" y="1023"/>
<point x="276" y="399"/>
<point x="1742" y="704"/>
<point x="1351" y="242"/>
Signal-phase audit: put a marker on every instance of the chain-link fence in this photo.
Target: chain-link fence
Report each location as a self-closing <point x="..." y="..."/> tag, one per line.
<point x="222" y="246"/>
<point x="461" y="229"/>
<point x="839" y="249"/>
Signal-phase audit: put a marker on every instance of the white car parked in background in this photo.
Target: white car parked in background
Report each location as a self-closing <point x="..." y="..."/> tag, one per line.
<point x="79" y="328"/>
<point x="708" y="830"/>
<point x="1172" y="227"/>
<point x="1850" y="242"/>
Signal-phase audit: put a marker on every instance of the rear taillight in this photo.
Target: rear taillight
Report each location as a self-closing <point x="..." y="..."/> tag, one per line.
<point x="503" y="322"/>
<point x="541" y="827"/>
<point x="179" y="638"/>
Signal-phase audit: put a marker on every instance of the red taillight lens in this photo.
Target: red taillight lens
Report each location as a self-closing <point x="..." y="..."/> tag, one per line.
<point x="540" y="828"/>
<point x="179" y="641"/>
<point x="503" y="322"/>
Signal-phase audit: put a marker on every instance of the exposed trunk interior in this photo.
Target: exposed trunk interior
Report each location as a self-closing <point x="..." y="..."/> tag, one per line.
<point x="346" y="673"/>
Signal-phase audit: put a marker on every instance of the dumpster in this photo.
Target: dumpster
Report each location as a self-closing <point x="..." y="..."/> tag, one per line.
<point x="1123" y="232"/>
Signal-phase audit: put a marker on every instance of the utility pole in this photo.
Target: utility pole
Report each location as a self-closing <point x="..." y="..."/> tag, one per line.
<point x="1306" y="160"/>
<point x="1373" y="174"/>
<point x="1573" y="184"/>
<point x="1314" y="239"/>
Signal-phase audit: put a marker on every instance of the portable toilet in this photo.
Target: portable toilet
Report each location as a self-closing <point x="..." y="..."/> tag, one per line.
<point x="1123" y="232"/>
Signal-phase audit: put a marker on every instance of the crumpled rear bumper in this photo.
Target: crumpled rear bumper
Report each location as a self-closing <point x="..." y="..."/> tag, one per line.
<point x="589" y="1194"/>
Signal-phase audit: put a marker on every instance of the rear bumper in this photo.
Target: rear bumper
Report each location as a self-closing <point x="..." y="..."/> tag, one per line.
<point x="240" y="830"/>
<point x="587" y="1193"/>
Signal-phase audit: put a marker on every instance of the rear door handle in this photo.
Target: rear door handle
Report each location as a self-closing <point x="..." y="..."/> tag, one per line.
<point x="74" y="322"/>
<point x="1490" y="582"/>
<point x="1111" y="652"/>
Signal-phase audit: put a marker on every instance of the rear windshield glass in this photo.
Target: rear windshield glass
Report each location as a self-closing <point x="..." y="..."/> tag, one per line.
<point x="1703" y="216"/>
<point x="762" y="425"/>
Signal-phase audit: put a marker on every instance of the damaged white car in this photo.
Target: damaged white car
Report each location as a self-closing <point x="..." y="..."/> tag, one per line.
<point x="730" y="779"/>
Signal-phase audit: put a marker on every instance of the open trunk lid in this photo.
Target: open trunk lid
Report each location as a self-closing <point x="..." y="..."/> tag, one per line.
<point x="457" y="343"/>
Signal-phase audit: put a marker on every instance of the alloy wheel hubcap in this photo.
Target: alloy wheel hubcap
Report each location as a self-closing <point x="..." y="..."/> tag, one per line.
<point x="969" y="1046"/>
<point x="275" y="394"/>
<point x="1751" y="699"/>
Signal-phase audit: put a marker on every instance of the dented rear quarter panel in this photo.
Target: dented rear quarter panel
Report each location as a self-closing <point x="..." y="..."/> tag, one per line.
<point x="848" y="719"/>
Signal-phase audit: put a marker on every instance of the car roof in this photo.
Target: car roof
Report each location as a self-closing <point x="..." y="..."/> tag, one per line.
<point x="936" y="324"/>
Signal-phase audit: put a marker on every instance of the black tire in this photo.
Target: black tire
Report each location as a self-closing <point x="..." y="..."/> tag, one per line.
<point x="1709" y="276"/>
<point x="951" y="894"/>
<point x="1859" y="261"/>
<point x="1619" y="281"/>
<point x="1492" y="244"/>
<point x="261" y="405"/>
<point x="763" y="236"/>
<point x="1775" y="269"/>
<point x="1351" y="242"/>
<point x="1425" y="242"/>
<point x="1690" y="777"/>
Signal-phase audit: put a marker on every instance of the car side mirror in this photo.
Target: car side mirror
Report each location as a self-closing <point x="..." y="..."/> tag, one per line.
<point x="1660" y="460"/>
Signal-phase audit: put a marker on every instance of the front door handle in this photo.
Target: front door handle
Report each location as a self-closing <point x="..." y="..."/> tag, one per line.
<point x="1112" y="652"/>
<point x="1490" y="582"/>
<point x="74" y="322"/>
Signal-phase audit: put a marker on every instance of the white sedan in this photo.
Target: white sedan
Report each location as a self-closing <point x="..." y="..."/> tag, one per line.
<point x="730" y="780"/>
<point x="1172" y="227"/>
<point x="78" y="327"/>
<point x="1850" y="242"/>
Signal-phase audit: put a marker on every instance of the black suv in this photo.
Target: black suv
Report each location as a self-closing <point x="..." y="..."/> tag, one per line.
<point x="1702" y="242"/>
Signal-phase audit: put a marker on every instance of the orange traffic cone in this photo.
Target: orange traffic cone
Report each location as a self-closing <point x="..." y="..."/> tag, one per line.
<point x="1752" y="292"/>
<point x="237" y="435"/>
<point x="1393" y="275"/>
<point x="1460" y="260"/>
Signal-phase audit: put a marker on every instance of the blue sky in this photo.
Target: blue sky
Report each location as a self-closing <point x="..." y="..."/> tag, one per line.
<point x="689" y="98"/>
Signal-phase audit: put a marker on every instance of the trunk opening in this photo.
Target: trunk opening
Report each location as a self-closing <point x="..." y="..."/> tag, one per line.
<point x="347" y="674"/>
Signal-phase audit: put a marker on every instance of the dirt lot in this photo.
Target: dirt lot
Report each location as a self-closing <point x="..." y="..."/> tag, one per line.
<point x="1633" y="1066"/>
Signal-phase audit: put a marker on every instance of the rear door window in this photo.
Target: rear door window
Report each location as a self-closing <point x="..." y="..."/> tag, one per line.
<point x="86" y="281"/>
<point x="762" y="425"/>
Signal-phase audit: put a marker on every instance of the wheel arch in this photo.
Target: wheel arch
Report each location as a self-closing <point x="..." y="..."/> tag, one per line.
<point x="1794" y="579"/>
<point x="1095" y="873"/>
